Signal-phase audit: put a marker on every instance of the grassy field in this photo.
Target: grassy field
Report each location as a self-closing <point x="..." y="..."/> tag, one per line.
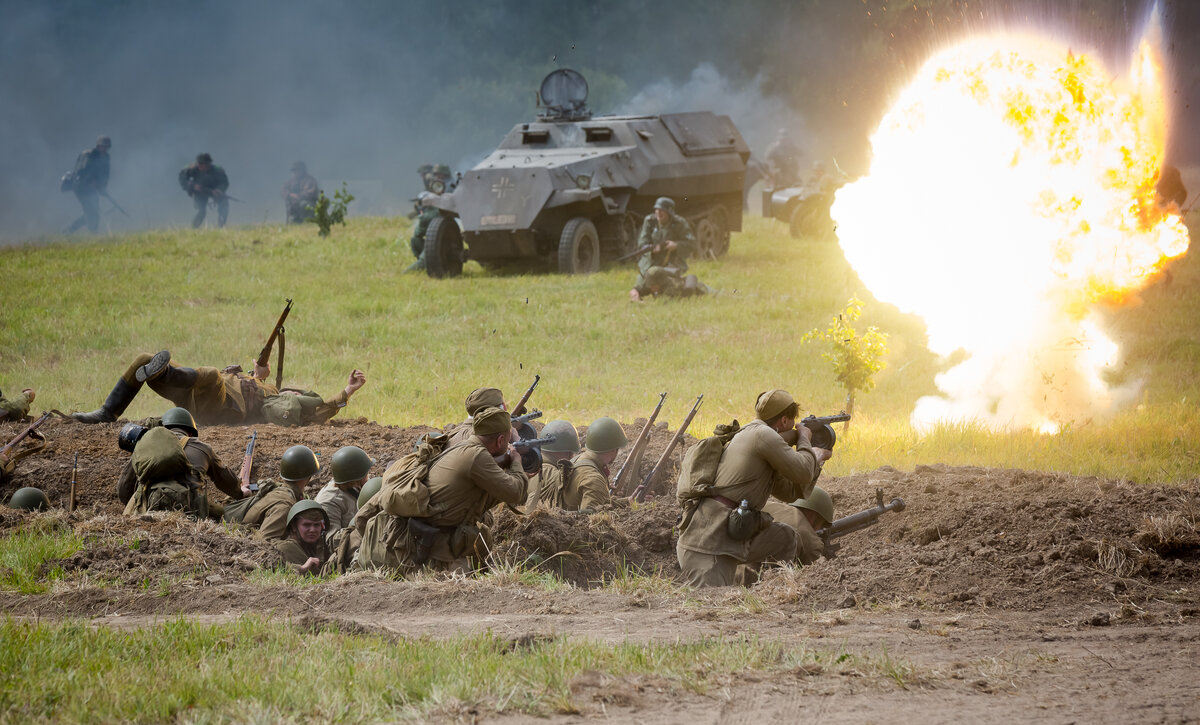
<point x="77" y="310"/>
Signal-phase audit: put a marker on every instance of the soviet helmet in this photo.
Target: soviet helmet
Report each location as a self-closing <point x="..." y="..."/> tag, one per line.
<point x="306" y="505"/>
<point x="298" y="463"/>
<point x="129" y="436"/>
<point x="369" y="489"/>
<point x="29" y="499"/>
<point x="350" y="463"/>
<point x="605" y="434"/>
<point x="819" y="501"/>
<point x="566" y="438"/>
<point x="665" y="202"/>
<point x="180" y="418"/>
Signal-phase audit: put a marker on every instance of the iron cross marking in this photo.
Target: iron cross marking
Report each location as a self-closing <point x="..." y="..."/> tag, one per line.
<point x="502" y="187"/>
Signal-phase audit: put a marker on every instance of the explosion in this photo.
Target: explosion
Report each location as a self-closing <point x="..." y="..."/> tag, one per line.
<point x="1011" y="196"/>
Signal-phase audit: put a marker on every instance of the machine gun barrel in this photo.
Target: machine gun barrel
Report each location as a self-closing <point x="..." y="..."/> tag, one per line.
<point x="823" y="435"/>
<point x="862" y="519"/>
<point x="533" y="442"/>
<point x="519" y="420"/>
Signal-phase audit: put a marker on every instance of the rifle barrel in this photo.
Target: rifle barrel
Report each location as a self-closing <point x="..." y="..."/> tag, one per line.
<point x="859" y="521"/>
<point x="265" y="355"/>
<point x="639" y="495"/>
<point x="635" y="454"/>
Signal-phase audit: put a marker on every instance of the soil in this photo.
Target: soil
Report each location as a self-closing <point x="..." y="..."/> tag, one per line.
<point x="995" y="595"/>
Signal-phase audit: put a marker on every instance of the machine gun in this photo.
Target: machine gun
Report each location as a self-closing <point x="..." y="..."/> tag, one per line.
<point x="248" y="463"/>
<point x="520" y="420"/>
<point x="531" y="452"/>
<point x="857" y="522"/>
<point x="264" y="356"/>
<point x="519" y="409"/>
<point x="8" y="459"/>
<point x="639" y="493"/>
<point x="822" y="432"/>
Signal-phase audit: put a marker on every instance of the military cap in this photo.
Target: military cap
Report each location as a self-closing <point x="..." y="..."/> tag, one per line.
<point x="491" y="421"/>
<point x="203" y="158"/>
<point x="481" y="398"/>
<point x="772" y="403"/>
<point x="665" y="202"/>
<point x="104" y="141"/>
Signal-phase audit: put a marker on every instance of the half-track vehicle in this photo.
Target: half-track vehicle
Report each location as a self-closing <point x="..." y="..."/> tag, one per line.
<point x="569" y="191"/>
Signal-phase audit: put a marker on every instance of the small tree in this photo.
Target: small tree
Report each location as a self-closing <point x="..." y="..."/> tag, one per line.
<point x="855" y="357"/>
<point x="327" y="213"/>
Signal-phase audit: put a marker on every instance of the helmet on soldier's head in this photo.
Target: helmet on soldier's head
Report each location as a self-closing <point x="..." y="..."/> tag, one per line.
<point x="369" y="489"/>
<point x="299" y="166"/>
<point x="301" y="507"/>
<point x="350" y="463"/>
<point x="104" y="141"/>
<point x="180" y="418"/>
<point x="666" y="203"/>
<point x="819" y="501"/>
<point x="129" y="436"/>
<point x="29" y="499"/>
<point x="566" y="438"/>
<point x="605" y="434"/>
<point x="203" y="158"/>
<point x="298" y="463"/>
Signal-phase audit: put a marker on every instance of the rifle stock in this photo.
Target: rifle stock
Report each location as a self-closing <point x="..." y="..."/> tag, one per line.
<point x="520" y="406"/>
<point x="6" y="451"/>
<point x="640" y="492"/>
<point x="633" y="461"/>
<point x="248" y="463"/>
<point x="264" y="355"/>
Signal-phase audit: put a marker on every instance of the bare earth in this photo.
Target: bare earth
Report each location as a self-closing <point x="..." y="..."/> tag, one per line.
<point x="998" y="595"/>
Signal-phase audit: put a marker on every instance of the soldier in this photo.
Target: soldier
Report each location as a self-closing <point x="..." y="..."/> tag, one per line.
<point x="805" y="516"/>
<point x="269" y="510"/>
<point x="716" y="532"/>
<point x="205" y="182"/>
<point x="350" y="466"/>
<point x="155" y="480"/>
<point x="671" y="240"/>
<point x="554" y="455"/>
<point x="220" y="397"/>
<point x="479" y="399"/>
<point x="89" y="180"/>
<point x="1170" y="187"/>
<point x="783" y="160"/>
<point x="17" y="407"/>
<point x="583" y="485"/>
<point x="304" y="551"/>
<point x="29" y="499"/>
<point x="426" y="215"/>
<point x="300" y="192"/>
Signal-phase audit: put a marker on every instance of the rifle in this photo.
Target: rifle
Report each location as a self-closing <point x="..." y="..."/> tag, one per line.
<point x="520" y="407"/>
<point x="857" y="522"/>
<point x="8" y="459"/>
<point x="74" y="471"/>
<point x="633" y="461"/>
<point x="248" y="463"/>
<point x="822" y="432"/>
<point x="521" y="420"/>
<point x="265" y="355"/>
<point x="639" y="494"/>
<point x="114" y="203"/>
<point x="636" y="253"/>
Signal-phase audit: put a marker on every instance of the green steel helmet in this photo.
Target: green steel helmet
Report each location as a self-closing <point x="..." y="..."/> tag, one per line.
<point x="29" y="499"/>
<point x="605" y="434"/>
<point x="369" y="489"/>
<point x="819" y="501"/>
<point x="665" y="202"/>
<point x="566" y="438"/>
<point x="350" y="463"/>
<point x="180" y="418"/>
<point x="298" y="463"/>
<point x="306" y="505"/>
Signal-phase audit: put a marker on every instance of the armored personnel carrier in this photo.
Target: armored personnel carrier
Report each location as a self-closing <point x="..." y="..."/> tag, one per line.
<point x="569" y="190"/>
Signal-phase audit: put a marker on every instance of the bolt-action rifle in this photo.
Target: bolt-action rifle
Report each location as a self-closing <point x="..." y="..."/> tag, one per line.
<point x="265" y="355"/>
<point x="520" y="407"/>
<point x="8" y="459"/>
<point x="633" y="462"/>
<point x="857" y="522"/>
<point x="248" y="463"/>
<point x="639" y="494"/>
<point x="74" y="473"/>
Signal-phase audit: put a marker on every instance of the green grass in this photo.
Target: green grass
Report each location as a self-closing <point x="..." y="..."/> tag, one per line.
<point x="79" y="311"/>
<point x="258" y="670"/>
<point x="24" y="550"/>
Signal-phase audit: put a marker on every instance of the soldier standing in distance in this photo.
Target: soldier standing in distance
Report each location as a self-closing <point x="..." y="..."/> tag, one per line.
<point x="426" y="215"/>
<point x="89" y="181"/>
<point x="300" y="193"/>
<point x="203" y="181"/>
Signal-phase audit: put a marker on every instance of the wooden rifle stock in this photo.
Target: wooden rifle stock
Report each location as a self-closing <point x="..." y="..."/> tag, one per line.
<point x="6" y="452"/>
<point x="520" y="407"/>
<point x="248" y="462"/>
<point x="640" y="492"/>
<point x="264" y="356"/>
<point x="633" y="462"/>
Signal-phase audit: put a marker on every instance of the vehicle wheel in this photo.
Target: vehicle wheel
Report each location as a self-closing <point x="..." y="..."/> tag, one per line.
<point x="443" y="248"/>
<point x="579" y="247"/>
<point x="810" y="218"/>
<point x="706" y="238"/>
<point x="721" y="222"/>
<point x="631" y="227"/>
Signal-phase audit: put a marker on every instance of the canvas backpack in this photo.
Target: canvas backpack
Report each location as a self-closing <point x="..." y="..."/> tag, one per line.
<point x="405" y="489"/>
<point x="698" y="475"/>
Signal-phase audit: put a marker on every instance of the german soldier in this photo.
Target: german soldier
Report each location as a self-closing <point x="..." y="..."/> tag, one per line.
<point x="89" y="181"/>
<point x="300" y="194"/>
<point x="205" y="182"/>
<point x="670" y="239"/>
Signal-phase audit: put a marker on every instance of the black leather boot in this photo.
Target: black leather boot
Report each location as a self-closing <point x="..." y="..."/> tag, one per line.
<point x="151" y="370"/>
<point x="114" y="405"/>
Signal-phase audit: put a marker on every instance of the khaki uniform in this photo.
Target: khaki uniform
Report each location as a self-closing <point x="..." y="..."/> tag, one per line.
<point x="206" y="469"/>
<point x="756" y="465"/>
<point x="14" y="408"/>
<point x="216" y="398"/>
<point x="269" y="513"/>
<point x="548" y="479"/>
<point x="587" y="486"/>
<point x="296" y="553"/>
<point x="340" y="505"/>
<point x="809" y="546"/>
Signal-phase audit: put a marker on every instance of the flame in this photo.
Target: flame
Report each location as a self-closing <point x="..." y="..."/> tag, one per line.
<point x="1011" y="195"/>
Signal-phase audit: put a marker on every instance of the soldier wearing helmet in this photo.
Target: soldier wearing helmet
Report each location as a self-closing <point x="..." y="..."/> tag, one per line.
<point x="304" y="550"/>
<point x="220" y="396"/>
<point x="269" y="512"/>
<point x="805" y="516"/>
<point x="16" y="407"/>
<point x="300" y="194"/>
<point x="756" y="464"/>
<point x="585" y="487"/>
<point x="185" y="490"/>
<point x="668" y="240"/>
<point x="426" y="213"/>
<point x="556" y="460"/>
<point x="89" y="180"/>
<point x="205" y="182"/>
<point x="351" y="468"/>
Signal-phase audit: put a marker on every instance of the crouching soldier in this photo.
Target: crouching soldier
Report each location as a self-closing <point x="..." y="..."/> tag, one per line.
<point x="351" y="467"/>
<point x="268" y="510"/>
<point x="583" y="485"/>
<point x="556" y="460"/>
<point x="304" y="550"/>
<point x="805" y="516"/>
<point x="170" y="469"/>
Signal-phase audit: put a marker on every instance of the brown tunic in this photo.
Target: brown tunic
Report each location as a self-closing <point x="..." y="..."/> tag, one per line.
<point x="269" y="513"/>
<point x="588" y="484"/>
<point x="296" y="553"/>
<point x="810" y="547"/>
<point x="207" y="469"/>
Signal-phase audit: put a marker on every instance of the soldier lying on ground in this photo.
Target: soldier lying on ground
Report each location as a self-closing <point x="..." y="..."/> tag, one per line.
<point x="668" y="282"/>
<point x="16" y="407"/>
<point x="805" y="516"/>
<point x="304" y="550"/>
<point x="171" y="471"/>
<point x="670" y="241"/>
<point x="220" y="397"/>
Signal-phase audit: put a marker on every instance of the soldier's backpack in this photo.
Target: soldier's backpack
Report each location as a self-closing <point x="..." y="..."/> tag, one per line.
<point x="698" y="475"/>
<point x="405" y="489"/>
<point x="163" y="471"/>
<point x="235" y="511"/>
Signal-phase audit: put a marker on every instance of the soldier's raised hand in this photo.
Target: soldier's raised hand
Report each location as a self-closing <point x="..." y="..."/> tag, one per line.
<point x="356" y="380"/>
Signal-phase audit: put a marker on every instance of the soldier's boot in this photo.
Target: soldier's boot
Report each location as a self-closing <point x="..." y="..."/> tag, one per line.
<point x="151" y="370"/>
<point x="417" y="266"/>
<point x="171" y="379"/>
<point x="114" y="405"/>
